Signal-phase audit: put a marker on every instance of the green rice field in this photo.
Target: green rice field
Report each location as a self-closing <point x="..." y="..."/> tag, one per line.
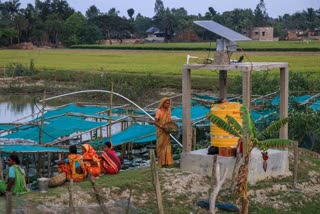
<point x="142" y="61"/>
<point x="307" y="45"/>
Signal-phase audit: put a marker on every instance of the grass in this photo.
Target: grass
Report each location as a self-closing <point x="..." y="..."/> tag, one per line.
<point x="140" y="182"/>
<point x="250" y="45"/>
<point x="141" y="62"/>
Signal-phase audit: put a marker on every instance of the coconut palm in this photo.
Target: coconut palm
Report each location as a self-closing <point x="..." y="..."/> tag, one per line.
<point x="250" y="138"/>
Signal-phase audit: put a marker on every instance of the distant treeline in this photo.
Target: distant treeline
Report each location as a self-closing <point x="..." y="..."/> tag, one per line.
<point x="54" y="22"/>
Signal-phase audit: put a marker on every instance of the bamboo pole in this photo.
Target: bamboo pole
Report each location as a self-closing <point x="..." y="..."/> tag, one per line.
<point x="110" y="113"/>
<point x="37" y="161"/>
<point x="155" y="180"/>
<point x="8" y="202"/>
<point x="194" y="138"/>
<point x="49" y="164"/>
<point x="27" y="168"/>
<point x="295" y="167"/>
<point x="1" y="166"/>
<point x="98" y="197"/>
<point x="42" y="117"/>
<point x="71" y="207"/>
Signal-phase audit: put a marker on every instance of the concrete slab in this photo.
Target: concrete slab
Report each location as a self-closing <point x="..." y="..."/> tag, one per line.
<point x="200" y="162"/>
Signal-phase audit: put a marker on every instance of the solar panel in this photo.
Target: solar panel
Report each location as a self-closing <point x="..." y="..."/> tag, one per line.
<point x="222" y="31"/>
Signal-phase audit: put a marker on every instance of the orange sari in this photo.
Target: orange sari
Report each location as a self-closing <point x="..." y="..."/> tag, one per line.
<point x="70" y="168"/>
<point x="163" y="138"/>
<point x="110" y="162"/>
<point x="91" y="161"/>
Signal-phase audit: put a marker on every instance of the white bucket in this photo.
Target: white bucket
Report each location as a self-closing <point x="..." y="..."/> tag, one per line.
<point x="43" y="184"/>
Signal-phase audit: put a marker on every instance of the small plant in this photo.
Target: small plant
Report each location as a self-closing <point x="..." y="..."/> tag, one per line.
<point x="18" y="69"/>
<point x="250" y="138"/>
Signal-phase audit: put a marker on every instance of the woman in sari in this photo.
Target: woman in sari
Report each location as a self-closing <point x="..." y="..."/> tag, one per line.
<point x="163" y="115"/>
<point x="110" y="162"/>
<point x="91" y="160"/>
<point x="16" y="181"/>
<point x="73" y="166"/>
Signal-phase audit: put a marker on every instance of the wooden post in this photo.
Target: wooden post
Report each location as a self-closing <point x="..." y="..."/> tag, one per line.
<point x="194" y="138"/>
<point x="71" y="207"/>
<point x="295" y="165"/>
<point x="246" y="88"/>
<point x="186" y="96"/>
<point x="284" y="99"/>
<point x="97" y="193"/>
<point x="27" y="168"/>
<point x="223" y="74"/>
<point x="38" y="165"/>
<point x="8" y="202"/>
<point x="218" y="184"/>
<point x="1" y="167"/>
<point x="212" y="180"/>
<point x="49" y="164"/>
<point x="155" y="180"/>
<point x="123" y="150"/>
<point x="110" y="126"/>
<point x="42" y="117"/>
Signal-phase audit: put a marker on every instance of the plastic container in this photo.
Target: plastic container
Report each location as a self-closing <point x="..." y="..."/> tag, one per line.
<point x="43" y="184"/>
<point x="219" y="137"/>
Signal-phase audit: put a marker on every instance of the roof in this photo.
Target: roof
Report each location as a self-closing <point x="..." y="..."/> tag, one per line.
<point x="153" y="30"/>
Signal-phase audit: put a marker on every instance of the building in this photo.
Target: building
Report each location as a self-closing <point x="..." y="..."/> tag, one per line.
<point x="259" y="33"/>
<point x="154" y="35"/>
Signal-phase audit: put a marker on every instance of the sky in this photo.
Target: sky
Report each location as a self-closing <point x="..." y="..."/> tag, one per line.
<point x="275" y="8"/>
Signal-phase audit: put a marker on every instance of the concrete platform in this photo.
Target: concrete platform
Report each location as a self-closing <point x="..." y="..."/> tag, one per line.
<point x="199" y="162"/>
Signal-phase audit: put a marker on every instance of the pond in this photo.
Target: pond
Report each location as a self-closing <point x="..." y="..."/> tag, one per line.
<point x="15" y="107"/>
<point x="27" y="107"/>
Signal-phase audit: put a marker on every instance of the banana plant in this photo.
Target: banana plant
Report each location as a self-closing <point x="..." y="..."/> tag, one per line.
<point x="251" y="138"/>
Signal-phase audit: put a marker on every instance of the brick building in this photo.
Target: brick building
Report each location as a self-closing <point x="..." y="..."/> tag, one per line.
<point x="259" y="33"/>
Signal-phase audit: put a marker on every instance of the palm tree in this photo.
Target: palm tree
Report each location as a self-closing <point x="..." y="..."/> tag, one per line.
<point x="250" y="138"/>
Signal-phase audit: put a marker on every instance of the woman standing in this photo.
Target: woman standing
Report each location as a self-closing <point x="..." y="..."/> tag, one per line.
<point x="110" y="162"/>
<point x="91" y="160"/>
<point x="16" y="181"/>
<point x="163" y="115"/>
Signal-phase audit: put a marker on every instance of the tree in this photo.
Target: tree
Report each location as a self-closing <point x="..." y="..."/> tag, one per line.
<point x="92" y="12"/>
<point x="260" y="14"/>
<point x="250" y="138"/>
<point x="54" y="26"/>
<point x="73" y="28"/>
<point x="158" y="7"/>
<point x="113" y="12"/>
<point x="311" y="18"/>
<point x="212" y="11"/>
<point x="113" y="26"/>
<point x="12" y="7"/>
<point x="130" y="13"/>
<point x="141" y="24"/>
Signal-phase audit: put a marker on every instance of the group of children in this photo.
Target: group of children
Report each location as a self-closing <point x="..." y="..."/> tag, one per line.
<point x="76" y="167"/>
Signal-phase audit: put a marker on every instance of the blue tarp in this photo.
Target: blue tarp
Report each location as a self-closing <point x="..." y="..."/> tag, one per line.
<point x="72" y="108"/>
<point x="6" y="127"/>
<point x="135" y="133"/>
<point x="315" y="106"/>
<point x="196" y="112"/>
<point x="29" y="148"/>
<point x="55" y="128"/>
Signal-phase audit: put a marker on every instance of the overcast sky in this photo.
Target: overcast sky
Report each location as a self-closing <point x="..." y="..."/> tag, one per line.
<point x="146" y="7"/>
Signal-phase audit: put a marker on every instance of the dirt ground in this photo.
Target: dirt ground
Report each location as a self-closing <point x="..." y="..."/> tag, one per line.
<point x="278" y="193"/>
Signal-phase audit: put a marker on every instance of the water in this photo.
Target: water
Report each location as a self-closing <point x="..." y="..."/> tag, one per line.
<point x="15" y="107"/>
<point x="27" y="107"/>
